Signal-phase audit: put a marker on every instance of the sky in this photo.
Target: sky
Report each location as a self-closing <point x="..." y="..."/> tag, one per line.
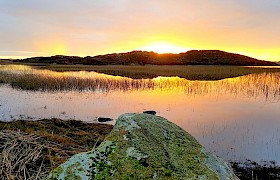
<point x="91" y="27"/>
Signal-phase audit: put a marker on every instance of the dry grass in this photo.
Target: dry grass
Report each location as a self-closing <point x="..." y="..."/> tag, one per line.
<point x="30" y="149"/>
<point x="24" y="156"/>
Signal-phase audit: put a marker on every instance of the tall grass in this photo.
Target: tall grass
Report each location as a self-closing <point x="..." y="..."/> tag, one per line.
<point x="24" y="77"/>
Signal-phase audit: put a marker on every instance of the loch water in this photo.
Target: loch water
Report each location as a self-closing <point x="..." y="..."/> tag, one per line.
<point x="236" y="118"/>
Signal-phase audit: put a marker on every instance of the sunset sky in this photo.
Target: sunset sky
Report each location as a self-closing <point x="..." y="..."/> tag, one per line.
<point x="91" y="27"/>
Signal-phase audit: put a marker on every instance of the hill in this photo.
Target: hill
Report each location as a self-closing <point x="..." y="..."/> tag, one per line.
<point x="193" y="57"/>
<point x="216" y="57"/>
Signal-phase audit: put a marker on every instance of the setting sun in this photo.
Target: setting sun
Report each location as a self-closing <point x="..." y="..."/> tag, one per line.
<point x="164" y="47"/>
<point x="59" y="49"/>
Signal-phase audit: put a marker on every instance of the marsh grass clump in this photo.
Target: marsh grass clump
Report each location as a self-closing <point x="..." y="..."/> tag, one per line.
<point x="31" y="149"/>
<point x="45" y="80"/>
<point x="23" y="156"/>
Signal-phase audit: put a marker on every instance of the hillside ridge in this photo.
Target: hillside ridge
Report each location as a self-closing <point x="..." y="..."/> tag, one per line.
<point x="192" y="57"/>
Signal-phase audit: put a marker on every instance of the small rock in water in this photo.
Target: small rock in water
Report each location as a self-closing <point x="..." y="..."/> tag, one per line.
<point x="103" y="119"/>
<point x="150" y="112"/>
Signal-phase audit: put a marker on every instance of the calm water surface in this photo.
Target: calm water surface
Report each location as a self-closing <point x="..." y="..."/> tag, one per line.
<point x="235" y="118"/>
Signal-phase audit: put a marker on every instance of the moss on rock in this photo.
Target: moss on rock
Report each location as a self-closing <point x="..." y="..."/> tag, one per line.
<point x="143" y="146"/>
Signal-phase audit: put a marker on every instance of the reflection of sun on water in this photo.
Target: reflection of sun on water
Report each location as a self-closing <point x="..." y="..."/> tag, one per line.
<point x="164" y="47"/>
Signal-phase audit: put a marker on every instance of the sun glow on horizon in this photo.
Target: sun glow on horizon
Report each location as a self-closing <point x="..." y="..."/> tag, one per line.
<point x="164" y="47"/>
<point x="59" y="49"/>
<point x="52" y="46"/>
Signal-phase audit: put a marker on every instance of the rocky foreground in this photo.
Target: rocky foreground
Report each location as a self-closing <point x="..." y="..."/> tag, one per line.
<point x="144" y="146"/>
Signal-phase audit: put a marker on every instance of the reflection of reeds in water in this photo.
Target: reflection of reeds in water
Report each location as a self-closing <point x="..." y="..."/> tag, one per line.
<point x="24" y="77"/>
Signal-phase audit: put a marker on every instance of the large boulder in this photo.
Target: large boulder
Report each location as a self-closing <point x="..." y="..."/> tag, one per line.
<point x="144" y="146"/>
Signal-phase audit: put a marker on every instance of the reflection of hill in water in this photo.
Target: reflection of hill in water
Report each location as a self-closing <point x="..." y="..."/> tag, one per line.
<point x="24" y="77"/>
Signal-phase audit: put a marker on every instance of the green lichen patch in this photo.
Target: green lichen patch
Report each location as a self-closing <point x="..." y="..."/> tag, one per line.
<point x="101" y="166"/>
<point x="132" y="152"/>
<point x="77" y="167"/>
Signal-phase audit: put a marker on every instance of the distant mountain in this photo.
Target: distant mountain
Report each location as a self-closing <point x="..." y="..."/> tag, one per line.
<point x="193" y="57"/>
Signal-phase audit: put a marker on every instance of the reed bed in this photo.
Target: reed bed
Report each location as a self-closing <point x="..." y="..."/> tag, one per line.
<point x="261" y="84"/>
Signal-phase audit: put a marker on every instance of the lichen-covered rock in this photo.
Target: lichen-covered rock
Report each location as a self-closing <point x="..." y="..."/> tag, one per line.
<point x="143" y="146"/>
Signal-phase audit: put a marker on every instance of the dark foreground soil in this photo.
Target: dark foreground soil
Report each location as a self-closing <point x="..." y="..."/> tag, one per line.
<point x="31" y="149"/>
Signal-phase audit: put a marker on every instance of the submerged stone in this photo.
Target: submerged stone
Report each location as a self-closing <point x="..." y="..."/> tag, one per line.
<point x="144" y="146"/>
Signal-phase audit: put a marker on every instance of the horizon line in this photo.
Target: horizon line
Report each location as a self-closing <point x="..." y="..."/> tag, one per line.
<point x="122" y="52"/>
